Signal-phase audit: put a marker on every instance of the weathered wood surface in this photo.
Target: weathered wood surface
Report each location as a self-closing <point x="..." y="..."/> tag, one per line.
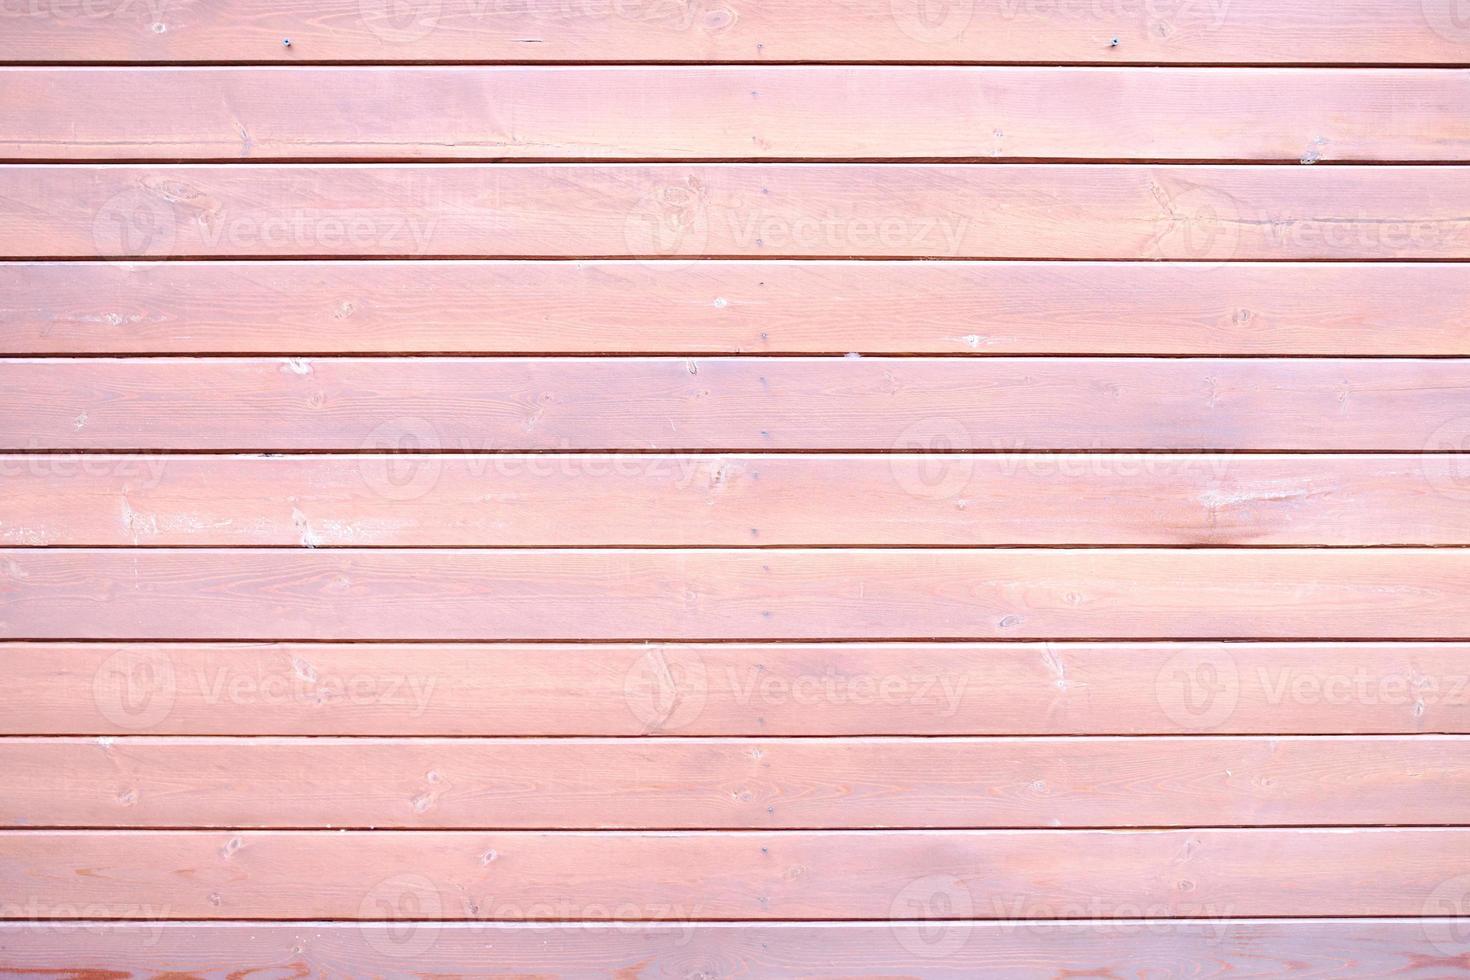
<point x="1168" y="949"/>
<point x="775" y="210"/>
<point x="925" y="404"/>
<point x="870" y="112"/>
<point x="535" y="594"/>
<point x="514" y="434"/>
<point x="732" y="875"/>
<point x="1240" y="31"/>
<point x="767" y="689"/>
<point x="735" y="307"/>
<point x="737" y="784"/>
<point x="393" y="499"/>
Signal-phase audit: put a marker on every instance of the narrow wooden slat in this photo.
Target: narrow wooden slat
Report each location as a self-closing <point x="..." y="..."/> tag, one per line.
<point x="480" y="404"/>
<point x="725" y="113"/>
<point x="1260" y="31"/>
<point x="734" y="689"/>
<point x="398" y="500"/>
<point x="923" y="950"/>
<point x="741" y="784"/>
<point x="1211" y="213"/>
<point x="731" y="875"/>
<point x="732" y="594"/>
<point x="734" y="307"/>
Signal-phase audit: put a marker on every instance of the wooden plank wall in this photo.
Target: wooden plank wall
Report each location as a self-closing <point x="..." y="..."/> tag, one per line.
<point x="734" y="488"/>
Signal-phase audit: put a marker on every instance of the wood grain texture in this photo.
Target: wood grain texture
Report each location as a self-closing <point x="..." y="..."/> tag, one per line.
<point x="630" y="784"/>
<point x="734" y="307"/>
<point x="733" y="500"/>
<point x="632" y="581"/>
<point x="733" y="113"/>
<point x="593" y="594"/>
<point x="491" y="404"/>
<point x="996" y="211"/>
<point x="734" y="689"/>
<point x="793" y="875"/>
<point x="1165" y="949"/>
<point x="1251" y="31"/>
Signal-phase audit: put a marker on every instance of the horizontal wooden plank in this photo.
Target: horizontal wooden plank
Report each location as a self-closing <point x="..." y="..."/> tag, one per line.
<point x="792" y="875"/>
<point x="923" y="950"/>
<point x="487" y="404"/>
<point x="734" y="307"/>
<point x="732" y="500"/>
<point x="997" y="211"/>
<point x="447" y="594"/>
<point x="734" y="689"/>
<point x="1284" y="31"/>
<point x="734" y="113"/>
<point x="737" y="784"/>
